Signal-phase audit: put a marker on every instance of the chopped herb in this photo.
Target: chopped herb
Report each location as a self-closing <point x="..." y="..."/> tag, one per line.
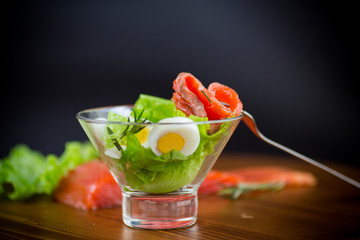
<point x="225" y="104"/>
<point x="134" y="129"/>
<point x="136" y="120"/>
<point x="134" y="116"/>
<point x="109" y="131"/>
<point x="206" y="96"/>
<point x="116" y="143"/>
<point x="243" y="188"/>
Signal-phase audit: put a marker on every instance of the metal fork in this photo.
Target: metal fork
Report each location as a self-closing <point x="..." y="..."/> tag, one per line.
<point x="250" y="122"/>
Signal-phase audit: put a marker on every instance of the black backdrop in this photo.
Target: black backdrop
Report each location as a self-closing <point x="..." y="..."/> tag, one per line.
<point x="293" y="64"/>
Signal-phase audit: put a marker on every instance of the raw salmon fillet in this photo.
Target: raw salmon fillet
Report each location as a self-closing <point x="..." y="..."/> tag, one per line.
<point x="89" y="186"/>
<point x="291" y="178"/>
<point x="217" y="180"/>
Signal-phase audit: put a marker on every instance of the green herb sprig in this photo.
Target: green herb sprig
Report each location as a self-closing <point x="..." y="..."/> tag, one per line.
<point x="206" y="96"/>
<point x="244" y="188"/>
<point x="115" y="141"/>
<point x="133" y="130"/>
<point x="136" y="128"/>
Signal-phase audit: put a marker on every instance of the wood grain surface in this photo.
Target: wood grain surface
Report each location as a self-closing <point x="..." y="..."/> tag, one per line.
<point x="331" y="210"/>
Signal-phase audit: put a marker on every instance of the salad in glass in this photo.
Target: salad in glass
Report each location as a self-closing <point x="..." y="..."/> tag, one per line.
<point x="160" y="150"/>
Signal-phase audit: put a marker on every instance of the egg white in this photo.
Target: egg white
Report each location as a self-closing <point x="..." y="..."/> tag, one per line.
<point x="189" y="132"/>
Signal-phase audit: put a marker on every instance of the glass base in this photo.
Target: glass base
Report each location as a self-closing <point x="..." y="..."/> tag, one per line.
<point x="163" y="211"/>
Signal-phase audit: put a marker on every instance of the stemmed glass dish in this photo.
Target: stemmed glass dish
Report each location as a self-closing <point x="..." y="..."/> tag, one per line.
<point x="159" y="166"/>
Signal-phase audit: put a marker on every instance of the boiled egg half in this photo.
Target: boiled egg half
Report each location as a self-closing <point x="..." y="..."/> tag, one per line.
<point x="183" y="137"/>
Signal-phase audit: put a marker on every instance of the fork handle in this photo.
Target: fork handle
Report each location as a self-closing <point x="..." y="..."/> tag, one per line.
<point x="250" y="122"/>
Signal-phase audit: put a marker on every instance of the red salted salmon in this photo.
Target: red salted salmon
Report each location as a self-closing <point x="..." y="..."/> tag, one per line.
<point x="226" y="95"/>
<point x="89" y="186"/>
<point x="217" y="180"/>
<point x="291" y="178"/>
<point x="216" y="102"/>
<point x="184" y="99"/>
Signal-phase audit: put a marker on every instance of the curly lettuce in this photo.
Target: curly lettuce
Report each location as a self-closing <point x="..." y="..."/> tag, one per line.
<point x="156" y="108"/>
<point x="26" y="172"/>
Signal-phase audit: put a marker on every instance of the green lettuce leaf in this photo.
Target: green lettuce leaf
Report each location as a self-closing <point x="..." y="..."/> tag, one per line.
<point x="21" y="169"/>
<point x="156" y="108"/>
<point x="26" y="172"/>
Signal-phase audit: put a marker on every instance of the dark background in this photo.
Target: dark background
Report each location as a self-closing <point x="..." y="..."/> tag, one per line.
<point x="293" y="63"/>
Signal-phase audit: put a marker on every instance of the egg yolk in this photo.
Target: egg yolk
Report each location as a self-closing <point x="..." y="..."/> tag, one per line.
<point x="143" y="135"/>
<point x="170" y="141"/>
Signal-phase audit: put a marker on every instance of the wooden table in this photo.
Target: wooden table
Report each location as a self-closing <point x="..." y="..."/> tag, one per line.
<point x="330" y="210"/>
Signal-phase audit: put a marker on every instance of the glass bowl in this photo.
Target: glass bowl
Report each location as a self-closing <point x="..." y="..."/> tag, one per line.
<point x="159" y="184"/>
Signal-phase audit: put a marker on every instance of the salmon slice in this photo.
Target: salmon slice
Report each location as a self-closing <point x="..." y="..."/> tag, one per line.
<point x="89" y="186"/>
<point x="228" y="96"/>
<point x="217" y="180"/>
<point x="185" y="99"/>
<point x="291" y="178"/>
<point x="183" y="105"/>
<point x="216" y="102"/>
